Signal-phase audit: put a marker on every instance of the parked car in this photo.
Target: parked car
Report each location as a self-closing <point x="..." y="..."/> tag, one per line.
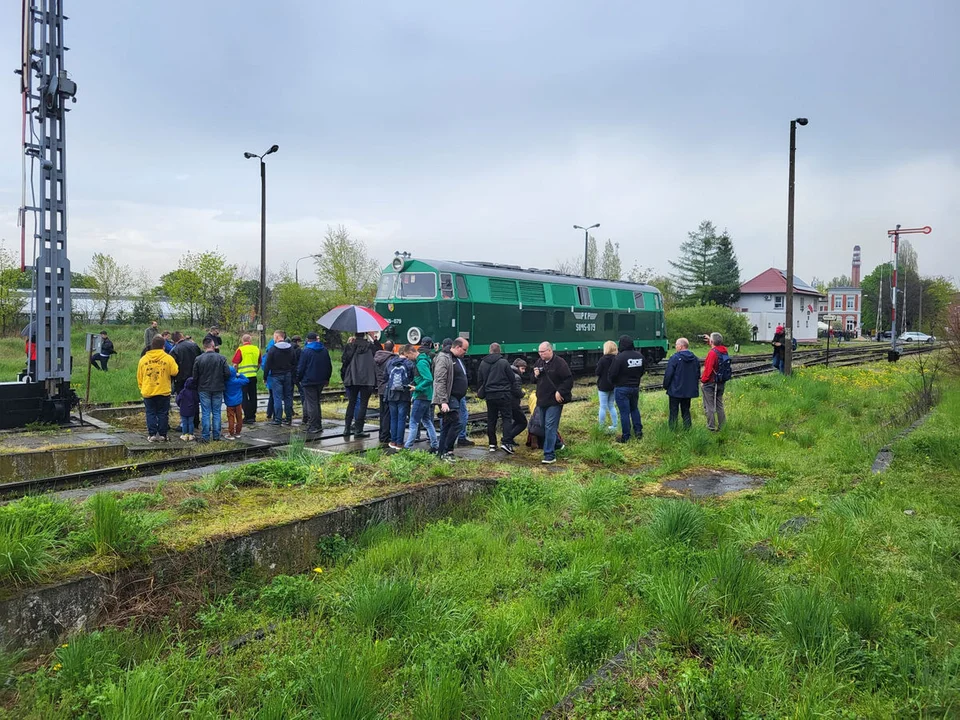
<point x="884" y="336"/>
<point x="910" y="337"/>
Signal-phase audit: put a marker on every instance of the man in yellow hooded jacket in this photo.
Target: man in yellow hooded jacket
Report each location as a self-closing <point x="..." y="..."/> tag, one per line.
<point x="155" y="373"/>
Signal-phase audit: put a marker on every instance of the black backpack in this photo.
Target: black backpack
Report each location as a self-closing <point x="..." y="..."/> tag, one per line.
<point x="724" y="371"/>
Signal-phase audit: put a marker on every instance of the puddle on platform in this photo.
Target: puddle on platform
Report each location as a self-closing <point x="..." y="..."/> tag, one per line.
<point x="712" y="483"/>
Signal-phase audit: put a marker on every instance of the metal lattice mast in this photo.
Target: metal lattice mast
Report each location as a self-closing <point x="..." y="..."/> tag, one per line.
<point x="46" y="91"/>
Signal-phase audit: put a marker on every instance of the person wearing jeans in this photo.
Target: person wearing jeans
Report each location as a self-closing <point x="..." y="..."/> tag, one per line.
<point x="314" y="370"/>
<point x="155" y="373"/>
<point x="420" y="415"/>
<point x="554" y="388"/>
<point x="608" y="406"/>
<point x="281" y="364"/>
<point x="421" y="410"/>
<point x="359" y="374"/>
<point x="211" y="372"/>
<point x="210" y="415"/>
<point x="624" y="374"/>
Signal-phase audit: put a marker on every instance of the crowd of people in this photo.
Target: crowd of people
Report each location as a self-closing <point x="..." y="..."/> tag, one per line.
<point x="413" y="383"/>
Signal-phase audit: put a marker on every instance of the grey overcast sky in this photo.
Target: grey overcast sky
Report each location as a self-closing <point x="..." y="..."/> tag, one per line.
<point x="484" y="131"/>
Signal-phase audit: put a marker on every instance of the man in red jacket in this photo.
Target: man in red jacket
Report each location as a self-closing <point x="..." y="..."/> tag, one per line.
<point x="712" y="384"/>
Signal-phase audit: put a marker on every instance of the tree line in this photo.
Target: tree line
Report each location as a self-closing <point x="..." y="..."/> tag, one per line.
<point x="206" y="289"/>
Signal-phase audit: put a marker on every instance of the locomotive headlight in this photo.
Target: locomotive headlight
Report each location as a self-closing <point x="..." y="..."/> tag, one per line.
<point x="397" y="264"/>
<point x="414" y="335"/>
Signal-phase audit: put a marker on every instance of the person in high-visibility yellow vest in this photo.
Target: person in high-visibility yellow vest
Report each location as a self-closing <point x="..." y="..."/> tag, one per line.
<point x="247" y="362"/>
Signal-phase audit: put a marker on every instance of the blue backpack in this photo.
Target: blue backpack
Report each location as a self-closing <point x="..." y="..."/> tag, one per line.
<point x="397" y="378"/>
<point x="724" y="371"/>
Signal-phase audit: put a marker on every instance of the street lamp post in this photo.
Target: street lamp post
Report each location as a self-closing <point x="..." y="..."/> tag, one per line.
<point x="263" y="241"/>
<point x="586" y="243"/>
<point x="788" y="335"/>
<point x="296" y="268"/>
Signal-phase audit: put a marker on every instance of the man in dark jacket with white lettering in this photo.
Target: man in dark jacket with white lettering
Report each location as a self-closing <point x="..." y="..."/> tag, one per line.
<point x="682" y="382"/>
<point x="625" y="373"/>
<point x="495" y="386"/>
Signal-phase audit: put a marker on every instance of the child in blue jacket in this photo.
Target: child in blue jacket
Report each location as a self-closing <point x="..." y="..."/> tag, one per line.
<point x="233" y="399"/>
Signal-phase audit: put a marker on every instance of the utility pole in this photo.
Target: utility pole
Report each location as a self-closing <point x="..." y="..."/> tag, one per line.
<point x="788" y="335"/>
<point x="262" y="326"/>
<point x="586" y="244"/>
<point x="894" y="235"/>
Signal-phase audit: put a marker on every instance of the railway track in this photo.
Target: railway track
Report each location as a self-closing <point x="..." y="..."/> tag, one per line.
<point x="745" y="366"/>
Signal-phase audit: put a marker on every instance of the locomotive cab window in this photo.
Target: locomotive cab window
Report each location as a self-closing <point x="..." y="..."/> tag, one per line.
<point x="638" y="300"/>
<point x="418" y="285"/>
<point x="462" y="288"/>
<point x="385" y="288"/>
<point x="583" y="295"/>
<point x="446" y="286"/>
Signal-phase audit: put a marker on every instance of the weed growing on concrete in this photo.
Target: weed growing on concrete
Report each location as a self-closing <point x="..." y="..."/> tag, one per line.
<point x="25" y="549"/>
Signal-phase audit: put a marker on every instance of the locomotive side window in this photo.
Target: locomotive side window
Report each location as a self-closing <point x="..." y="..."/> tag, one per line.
<point x="446" y="286"/>
<point x="558" y="316"/>
<point x="385" y="288"/>
<point x="462" y="288"/>
<point x="608" y="321"/>
<point x="638" y="300"/>
<point x="583" y="295"/>
<point x="533" y="320"/>
<point x="418" y="285"/>
<point x="627" y="322"/>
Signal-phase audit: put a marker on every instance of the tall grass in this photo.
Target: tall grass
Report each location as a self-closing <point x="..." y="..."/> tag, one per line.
<point x="146" y="692"/>
<point x="344" y="686"/>
<point x="440" y="693"/>
<point x="805" y="619"/>
<point x="113" y="531"/>
<point x="682" y="612"/>
<point x="25" y="549"/>
<point x="740" y="586"/>
<point x="382" y="606"/>
<point x="678" y="521"/>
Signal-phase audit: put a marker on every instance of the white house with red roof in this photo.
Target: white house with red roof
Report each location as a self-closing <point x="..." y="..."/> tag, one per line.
<point x="763" y="300"/>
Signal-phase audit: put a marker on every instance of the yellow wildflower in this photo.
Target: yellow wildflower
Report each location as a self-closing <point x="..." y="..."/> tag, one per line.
<point x="318" y="570"/>
<point x="65" y="645"/>
<point x="58" y="666"/>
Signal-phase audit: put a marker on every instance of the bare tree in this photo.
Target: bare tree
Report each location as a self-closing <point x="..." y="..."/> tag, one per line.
<point x="111" y="281"/>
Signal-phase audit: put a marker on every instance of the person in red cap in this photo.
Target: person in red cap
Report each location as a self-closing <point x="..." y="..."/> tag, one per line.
<point x="778" y="340"/>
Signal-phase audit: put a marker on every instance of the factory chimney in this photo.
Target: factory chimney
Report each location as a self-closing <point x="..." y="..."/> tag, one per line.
<point x="855" y="269"/>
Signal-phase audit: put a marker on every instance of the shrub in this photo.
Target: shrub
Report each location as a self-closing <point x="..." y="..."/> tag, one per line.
<point x="273" y="472"/>
<point x="678" y="521"/>
<point x="25" y="549"/>
<point x="740" y="585"/>
<point x="692" y="322"/>
<point x="290" y="595"/>
<point x="587" y="642"/>
<point x="679" y="601"/>
<point x="805" y="620"/>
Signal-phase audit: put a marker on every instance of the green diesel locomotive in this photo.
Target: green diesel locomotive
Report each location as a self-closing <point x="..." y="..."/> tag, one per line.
<point x="486" y="302"/>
